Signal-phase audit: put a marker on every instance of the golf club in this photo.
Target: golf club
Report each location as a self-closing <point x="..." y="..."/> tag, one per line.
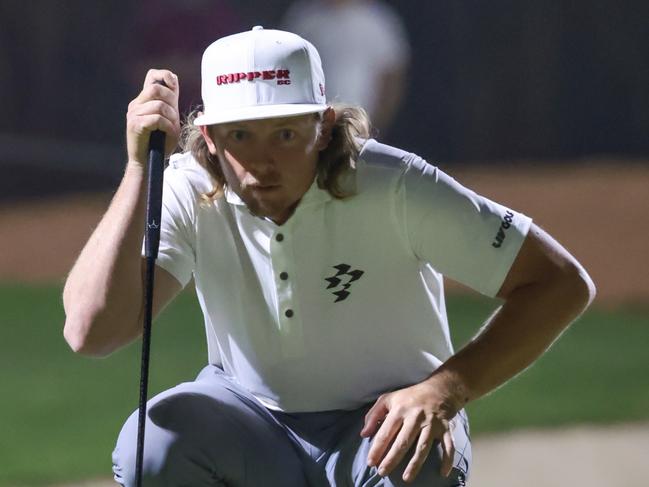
<point x="152" y="242"/>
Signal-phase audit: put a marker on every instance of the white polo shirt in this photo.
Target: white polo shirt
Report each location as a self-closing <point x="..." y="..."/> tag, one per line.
<point x="345" y="300"/>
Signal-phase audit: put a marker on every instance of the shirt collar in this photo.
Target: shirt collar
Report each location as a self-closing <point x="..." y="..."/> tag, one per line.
<point x="232" y="197"/>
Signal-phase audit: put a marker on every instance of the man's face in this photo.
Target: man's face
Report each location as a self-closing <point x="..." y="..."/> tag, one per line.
<point x="269" y="163"/>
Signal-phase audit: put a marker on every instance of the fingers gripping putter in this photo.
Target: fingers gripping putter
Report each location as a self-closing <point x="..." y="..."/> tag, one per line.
<point x="151" y="244"/>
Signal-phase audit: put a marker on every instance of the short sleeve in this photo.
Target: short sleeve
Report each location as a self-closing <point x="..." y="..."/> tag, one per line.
<point x="463" y="235"/>
<point x="177" y="236"/>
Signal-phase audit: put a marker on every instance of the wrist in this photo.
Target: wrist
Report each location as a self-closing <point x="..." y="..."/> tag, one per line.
<point x="453" y="389"/>
<point x="135" y="166"/>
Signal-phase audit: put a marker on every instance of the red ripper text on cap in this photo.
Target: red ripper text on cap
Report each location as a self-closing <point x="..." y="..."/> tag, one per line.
<point x="281" y="75"/>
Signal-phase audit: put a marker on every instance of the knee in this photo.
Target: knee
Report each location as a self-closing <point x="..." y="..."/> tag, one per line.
<point x="178" y="444"/>
<point x="196" y="438"/>
<point x="155" y="455"/>
<point x="430" y="474"/>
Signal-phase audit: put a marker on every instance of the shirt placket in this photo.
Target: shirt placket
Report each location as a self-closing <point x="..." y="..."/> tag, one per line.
<point x="289" y="317"/>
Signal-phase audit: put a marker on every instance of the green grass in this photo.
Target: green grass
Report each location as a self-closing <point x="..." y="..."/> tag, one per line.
<point x="60" y="413"/>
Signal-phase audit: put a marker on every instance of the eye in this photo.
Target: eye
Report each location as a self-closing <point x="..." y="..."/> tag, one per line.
<point x="286" y="135"/>
<point x="238" y="135"/>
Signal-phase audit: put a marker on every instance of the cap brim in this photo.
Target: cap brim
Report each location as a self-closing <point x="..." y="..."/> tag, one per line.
<point x="258" y="112"/>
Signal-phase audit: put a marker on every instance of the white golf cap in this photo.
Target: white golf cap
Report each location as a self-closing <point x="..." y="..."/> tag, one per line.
<point x="260" y="74"/>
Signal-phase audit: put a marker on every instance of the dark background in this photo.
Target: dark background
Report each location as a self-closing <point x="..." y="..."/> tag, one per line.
<point x="489" y="82"/>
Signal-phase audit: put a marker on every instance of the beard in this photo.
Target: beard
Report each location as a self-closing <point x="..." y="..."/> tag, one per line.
<point x="266" y="194"/>
<point x="274" y="205"/>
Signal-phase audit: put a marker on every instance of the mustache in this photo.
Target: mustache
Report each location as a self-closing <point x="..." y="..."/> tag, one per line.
<point x="251" y="181"/>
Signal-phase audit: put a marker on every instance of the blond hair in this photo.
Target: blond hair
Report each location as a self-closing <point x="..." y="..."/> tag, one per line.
<point x="351" y="126"/>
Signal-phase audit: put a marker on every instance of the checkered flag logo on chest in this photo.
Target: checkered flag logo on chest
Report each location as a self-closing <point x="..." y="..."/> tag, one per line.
<point x="340" y="282"/>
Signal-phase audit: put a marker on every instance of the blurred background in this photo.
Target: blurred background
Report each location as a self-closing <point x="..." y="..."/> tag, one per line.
<point x="543" y="106"/>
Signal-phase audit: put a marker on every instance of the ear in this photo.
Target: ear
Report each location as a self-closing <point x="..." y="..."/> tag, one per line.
<point x="205" y="131"/>
<point x="326" y="128"/>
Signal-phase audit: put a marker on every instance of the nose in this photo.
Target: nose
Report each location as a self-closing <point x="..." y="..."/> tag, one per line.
<point x="261" y="164"/>
<point x="260" y="168"/>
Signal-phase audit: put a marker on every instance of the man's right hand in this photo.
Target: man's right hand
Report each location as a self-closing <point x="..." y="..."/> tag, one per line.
<point x="155" y="108"/>
<point x="103" y="292"/>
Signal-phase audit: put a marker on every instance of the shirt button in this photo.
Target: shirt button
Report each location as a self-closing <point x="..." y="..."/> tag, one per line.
<point x="283" y="276"/>
<point x="288" y="313"/>
<point x="279" y="237"/>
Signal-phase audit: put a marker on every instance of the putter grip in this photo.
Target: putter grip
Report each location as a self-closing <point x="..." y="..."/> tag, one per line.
<point x="154" y="194"/>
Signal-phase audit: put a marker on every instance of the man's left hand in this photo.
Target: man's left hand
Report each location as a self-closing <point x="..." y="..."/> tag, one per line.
<point x="417" y="415"/>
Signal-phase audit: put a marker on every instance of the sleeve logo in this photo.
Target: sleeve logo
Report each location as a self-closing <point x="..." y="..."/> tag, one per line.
<point x="504" y="226"/>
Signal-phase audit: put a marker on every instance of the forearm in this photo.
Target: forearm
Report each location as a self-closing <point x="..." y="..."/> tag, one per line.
<point x="533" y="316"/>
<point x="517" y="334"/>
<point x="103" y="292"/>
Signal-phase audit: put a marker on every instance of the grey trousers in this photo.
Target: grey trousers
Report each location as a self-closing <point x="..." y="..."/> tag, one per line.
<point x="212" y="432"/>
